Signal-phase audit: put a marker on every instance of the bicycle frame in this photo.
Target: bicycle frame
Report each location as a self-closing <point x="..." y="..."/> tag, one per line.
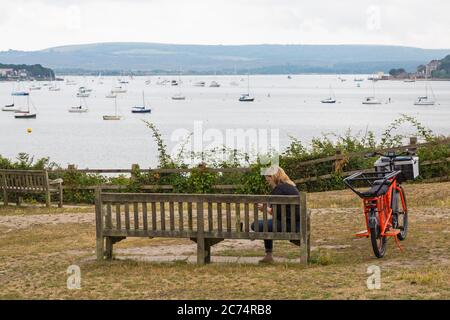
<point x="382" y="203"/>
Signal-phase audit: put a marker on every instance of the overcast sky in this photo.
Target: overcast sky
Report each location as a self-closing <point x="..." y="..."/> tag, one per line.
<point x="39" y="24"/>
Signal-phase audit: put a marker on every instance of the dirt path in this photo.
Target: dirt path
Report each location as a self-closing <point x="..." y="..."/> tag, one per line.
<point x="27" y="221"/>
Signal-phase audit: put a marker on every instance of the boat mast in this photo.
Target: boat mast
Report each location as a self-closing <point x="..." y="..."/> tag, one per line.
<point x="248" y="84"/>
<point x="115" y="104"/>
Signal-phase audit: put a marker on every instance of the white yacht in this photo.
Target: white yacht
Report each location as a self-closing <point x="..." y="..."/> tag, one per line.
<point x="115" y="116"/>
<point x="246" y="96"/>
<point x="425" y="100"/>
<point x="80" y="108"/>
<point x="25" y="114"/>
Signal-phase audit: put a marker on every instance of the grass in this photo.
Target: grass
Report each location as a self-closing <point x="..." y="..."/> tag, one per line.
<point x="34" y="260"/>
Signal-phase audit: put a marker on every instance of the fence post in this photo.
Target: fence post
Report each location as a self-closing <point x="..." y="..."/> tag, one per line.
<point x="412" y="142"/>
<point x="134" y="168"/>
<point x="337" y="165"/>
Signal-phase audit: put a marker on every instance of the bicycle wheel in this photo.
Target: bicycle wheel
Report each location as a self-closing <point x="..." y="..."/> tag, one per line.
<point x="399" y="217"/>
<point x="378" y="242"/>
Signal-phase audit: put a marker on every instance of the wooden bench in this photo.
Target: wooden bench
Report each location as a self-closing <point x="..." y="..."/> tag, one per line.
<point x="206" y="219"/>
<point x="21" y="182"/>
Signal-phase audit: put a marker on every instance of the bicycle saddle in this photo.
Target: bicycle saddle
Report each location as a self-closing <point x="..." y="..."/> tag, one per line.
<point x="376" y="190"/>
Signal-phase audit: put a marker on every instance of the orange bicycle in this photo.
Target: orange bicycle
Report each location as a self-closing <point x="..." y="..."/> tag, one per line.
<point x="385" y="207"/>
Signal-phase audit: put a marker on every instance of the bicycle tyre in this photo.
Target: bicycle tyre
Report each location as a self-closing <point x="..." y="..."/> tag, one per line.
<point x="396" y="200"/>
<point x="378" y="242"/>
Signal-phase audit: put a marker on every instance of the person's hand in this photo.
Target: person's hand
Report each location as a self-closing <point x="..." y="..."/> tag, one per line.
<point x="260" y="206"/>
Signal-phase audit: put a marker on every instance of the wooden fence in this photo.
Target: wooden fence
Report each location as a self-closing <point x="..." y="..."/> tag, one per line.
<point x="335" y="165"/>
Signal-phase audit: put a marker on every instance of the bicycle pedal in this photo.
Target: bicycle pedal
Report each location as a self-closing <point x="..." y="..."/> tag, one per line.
<point x="392" y="232"/>
<point x="362" y="234"/>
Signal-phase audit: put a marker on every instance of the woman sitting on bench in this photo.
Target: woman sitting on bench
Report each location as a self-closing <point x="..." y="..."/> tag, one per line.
<point x="281" y="185"/>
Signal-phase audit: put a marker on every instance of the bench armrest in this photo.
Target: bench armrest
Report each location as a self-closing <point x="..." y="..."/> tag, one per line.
<point x="56" y="181"/>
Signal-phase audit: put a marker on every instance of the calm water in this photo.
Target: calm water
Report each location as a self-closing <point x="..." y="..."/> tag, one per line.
<point x="290" y="105"/>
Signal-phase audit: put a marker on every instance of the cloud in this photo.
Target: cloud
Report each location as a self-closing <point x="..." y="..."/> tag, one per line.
<point x="38" y="24"/>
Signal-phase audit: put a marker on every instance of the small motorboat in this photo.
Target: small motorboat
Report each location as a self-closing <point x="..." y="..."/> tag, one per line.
<point x="246" y="98"/>
<point x="173" y="83"/>
<point x="199" y="84"/>
<point x="329" y="100"/>
<point x="214" y="84"/>
<point x="371" y="100"/>
<point x="178" y="96"/>
<point x="140" y="109"/>
<point x="19" y="93"/>
<point x="111" y="95"/>
<point x="83" y="94"/>
<point x="79" y="109"/>
<point x="424" y="101"/>
<point x="119" y="90"/>
<point x="9" y="107"/>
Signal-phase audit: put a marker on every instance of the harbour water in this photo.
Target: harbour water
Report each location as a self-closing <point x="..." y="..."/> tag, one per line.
<point x="290" y="105"/>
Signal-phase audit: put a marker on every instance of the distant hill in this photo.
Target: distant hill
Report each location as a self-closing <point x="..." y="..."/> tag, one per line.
<point x="262" y="59"/>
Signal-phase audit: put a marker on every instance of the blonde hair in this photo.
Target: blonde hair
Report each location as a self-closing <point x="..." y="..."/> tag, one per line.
<point x="279" y="176"/>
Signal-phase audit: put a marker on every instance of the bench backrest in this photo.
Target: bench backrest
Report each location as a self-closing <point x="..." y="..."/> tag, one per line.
<point x="24" y="180"/>
<point x="198" y="215"/>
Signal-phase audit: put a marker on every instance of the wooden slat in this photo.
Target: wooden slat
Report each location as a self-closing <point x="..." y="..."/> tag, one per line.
<point x="171" y="216"/>
<point x="127" y="216"/>
<point x="214" y="235"/>
<point x="228" y="215"/>
<point x="180" y="216"/>
<point x="219" y="216"/>
<point x="144" y="216"/>
<point x="154" y="226"/>
<point x="210" y="216"/>
<point x="293" y="220"/>
<point x="255" y="217"/>
<point x="108" y="216"/>
<point x="275" y="218"/>
<point x="283" y="218"/>
<point x="246" y="218"/>
<point x="265" y="222"/>
<point x="136" y="215"/>
<point x="118" y="217"/>
<point x="163" y="215"/>
<point x="237" y="208"/>
<point x="190" y="224"/>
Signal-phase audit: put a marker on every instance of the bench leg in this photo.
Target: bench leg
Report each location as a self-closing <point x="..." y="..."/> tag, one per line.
<point x="100" y="249"/>
<point x="203" y="251"/>
<point x="109" y="248"/>
<point x="5" y="198"/>
<point x="47" y="200"/>
<point x="60" y="196"/>
<point x="19" y="201"/>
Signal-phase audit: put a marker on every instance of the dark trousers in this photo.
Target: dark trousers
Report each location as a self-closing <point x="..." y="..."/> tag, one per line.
<point x="268" y="244"/>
